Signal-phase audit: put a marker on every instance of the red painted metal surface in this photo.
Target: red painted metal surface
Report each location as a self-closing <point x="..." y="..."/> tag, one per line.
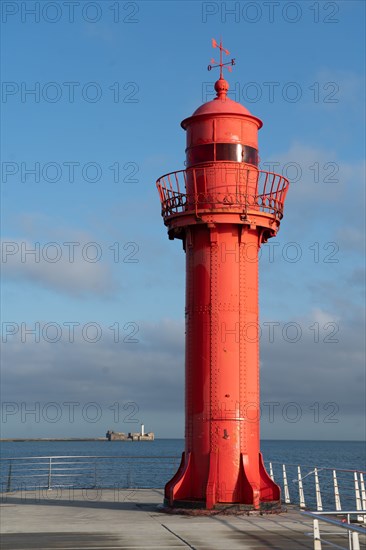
<point x="223" y="210"/>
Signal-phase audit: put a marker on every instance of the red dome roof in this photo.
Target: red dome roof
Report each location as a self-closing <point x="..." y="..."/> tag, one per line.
<point x="219" y="105"/>
<point x="222" y="105"/>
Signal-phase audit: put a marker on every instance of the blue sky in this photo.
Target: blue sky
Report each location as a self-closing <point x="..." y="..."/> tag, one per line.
<point x="112" y="82"/>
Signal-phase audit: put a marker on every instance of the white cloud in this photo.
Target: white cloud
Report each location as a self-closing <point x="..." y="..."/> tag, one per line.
<point x="349" y="89"/>
<point x="318" y="315"/>
<point x="352" y="238"/>
<point x="71" y="269"/>
<point x="319" y="175"/>
<point x="150" y="372"/>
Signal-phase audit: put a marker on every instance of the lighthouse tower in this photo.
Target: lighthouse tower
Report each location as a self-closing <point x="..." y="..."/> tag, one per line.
<point x="223" y="208"/>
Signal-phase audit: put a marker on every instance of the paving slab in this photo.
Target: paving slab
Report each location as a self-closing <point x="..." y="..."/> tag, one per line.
<point x="127" y="519"/>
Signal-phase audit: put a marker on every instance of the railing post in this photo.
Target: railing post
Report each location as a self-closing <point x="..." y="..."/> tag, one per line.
<point x="363" y="495"/>
<point x="319" y="505"/>
<point x="355" y="541"/>
<point x="49" y="473"/>
<point x="358" y="496"/>
<point x="337" y="499"/>
<point x="129" y="477"/>
<point x="301" y="488"/>
<point x="246" y="194"/>
<point x="271" y="471"/>
<point x="316" y="531"/>
<point x="8" y="489"/>
<point x="285" y="485"/>
<point x="195" y="192"/>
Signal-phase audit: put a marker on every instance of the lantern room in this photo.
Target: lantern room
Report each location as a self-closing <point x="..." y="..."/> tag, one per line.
<point x="222" y="130"/>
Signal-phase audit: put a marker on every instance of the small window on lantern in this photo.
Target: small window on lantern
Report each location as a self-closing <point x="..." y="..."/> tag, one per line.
<point x="250" y="155"/>
<point x="229" y="151"/>
<point x="200" y="153"/>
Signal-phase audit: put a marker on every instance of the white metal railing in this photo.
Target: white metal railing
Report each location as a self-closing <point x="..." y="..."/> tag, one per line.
<point x="353" y="531"/>
<point x="49" y="472"/>
<point x="319" y="489"/>
<point x="309" y="487"/>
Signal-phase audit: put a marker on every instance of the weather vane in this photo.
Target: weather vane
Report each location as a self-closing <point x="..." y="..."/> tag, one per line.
<point x="221" y="64"/>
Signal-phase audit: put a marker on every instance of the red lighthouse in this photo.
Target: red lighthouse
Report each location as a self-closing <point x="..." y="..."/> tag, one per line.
<point x="223" y="208"/>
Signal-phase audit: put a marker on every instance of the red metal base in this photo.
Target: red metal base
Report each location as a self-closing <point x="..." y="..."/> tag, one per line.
<point x="253" y="492"/>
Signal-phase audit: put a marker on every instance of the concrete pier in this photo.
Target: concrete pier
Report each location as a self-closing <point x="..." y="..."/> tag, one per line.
<point x="131" y="519"/>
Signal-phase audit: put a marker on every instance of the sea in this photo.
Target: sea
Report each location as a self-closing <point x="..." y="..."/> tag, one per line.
<point x="331" y="454"/>
<point x="26" y="465"/>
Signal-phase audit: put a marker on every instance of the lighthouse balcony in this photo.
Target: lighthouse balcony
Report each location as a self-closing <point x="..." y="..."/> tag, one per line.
<point x="222" y="188"/>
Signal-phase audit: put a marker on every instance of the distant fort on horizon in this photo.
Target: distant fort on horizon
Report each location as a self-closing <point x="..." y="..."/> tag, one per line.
<point x="132" y="436"/>
<point x="109" y="436"/>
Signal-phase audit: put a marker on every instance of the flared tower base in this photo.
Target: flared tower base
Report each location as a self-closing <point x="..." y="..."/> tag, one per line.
<point x="254" y="492"/>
